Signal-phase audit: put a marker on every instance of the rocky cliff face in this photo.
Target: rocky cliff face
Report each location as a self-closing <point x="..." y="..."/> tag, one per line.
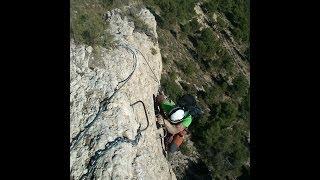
<point x="108" y="140"/>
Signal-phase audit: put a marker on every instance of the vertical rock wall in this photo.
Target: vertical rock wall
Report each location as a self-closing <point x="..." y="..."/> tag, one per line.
<point x="94" y="77"/>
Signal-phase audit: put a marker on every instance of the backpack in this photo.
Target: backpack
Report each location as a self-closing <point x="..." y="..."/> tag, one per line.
<point x="188" y="103"/>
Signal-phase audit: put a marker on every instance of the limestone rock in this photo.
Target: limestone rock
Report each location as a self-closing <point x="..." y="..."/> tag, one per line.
<point x="94" y="78"/>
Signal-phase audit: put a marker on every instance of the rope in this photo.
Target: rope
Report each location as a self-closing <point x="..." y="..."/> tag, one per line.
<point x="165" y="133"/>
<point x="145" y="59"/>
<point x="149" y="66"/>
<point x="104" y="103"/>
<point x="101" y="152"/>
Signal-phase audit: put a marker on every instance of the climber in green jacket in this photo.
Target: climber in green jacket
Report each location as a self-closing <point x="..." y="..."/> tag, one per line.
<point x="177" y="117"/>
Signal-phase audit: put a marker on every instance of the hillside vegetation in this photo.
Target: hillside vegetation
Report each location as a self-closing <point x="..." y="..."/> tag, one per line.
<point x="237" y="12"/>
<point x="192" y="52"/>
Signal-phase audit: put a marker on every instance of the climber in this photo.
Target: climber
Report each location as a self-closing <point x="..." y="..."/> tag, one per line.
<point x="179" y="118"/>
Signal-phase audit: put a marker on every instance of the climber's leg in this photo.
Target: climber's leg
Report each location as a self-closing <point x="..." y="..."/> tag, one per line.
<point x="173" y="148"/>
<point x="168" y="139"/>
<point x="176" y="142"/>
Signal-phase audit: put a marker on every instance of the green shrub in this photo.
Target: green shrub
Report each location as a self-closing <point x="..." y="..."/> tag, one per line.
<point x="207" y="35"/>
<point x="207" y="44"/>
<point x="185" y="149"/>
<point x="221" y="141"/>
<point x="201" y="48"/>
<point x="186" y="66"/>
<point x="139" y="24"/>
<point x="224" y="86"/>
<point x="171" y="88"/>
<point x="190" y="27"/>
<point x="173" y="76"/>
<point x="244" y="108"/>
<point x="240" y="86"/>
<point x="189" y="69"/>
<point x="221" y="22"/>
<point x="228" y="110"/>
<point x="237" y="12"/>
<point x="188" y="88"/>
<point x="153" y="51"/>
<point x="186" y="28"/>
<point x="161" y="40"/>
<point x="213" y="94"/>
<point x="228" y="64"/>
<point x="164" y="60"/>
<point x="87" y="24"/>
<point x="210" y="6"/>
<point x="173" y="12"/>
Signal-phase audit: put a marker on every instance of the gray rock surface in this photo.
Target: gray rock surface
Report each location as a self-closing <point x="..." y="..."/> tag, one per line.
<point x="94" y="77"/>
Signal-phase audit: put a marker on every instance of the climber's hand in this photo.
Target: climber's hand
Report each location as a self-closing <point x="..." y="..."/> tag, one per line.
<point x="159" y="120"/>
<point x="160" y="98"/>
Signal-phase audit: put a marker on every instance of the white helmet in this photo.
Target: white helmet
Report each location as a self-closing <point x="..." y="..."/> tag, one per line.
<point x="176" y="115"/>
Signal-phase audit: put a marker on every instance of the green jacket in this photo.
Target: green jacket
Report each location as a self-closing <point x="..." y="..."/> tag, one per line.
<point x="167" y="106"/>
